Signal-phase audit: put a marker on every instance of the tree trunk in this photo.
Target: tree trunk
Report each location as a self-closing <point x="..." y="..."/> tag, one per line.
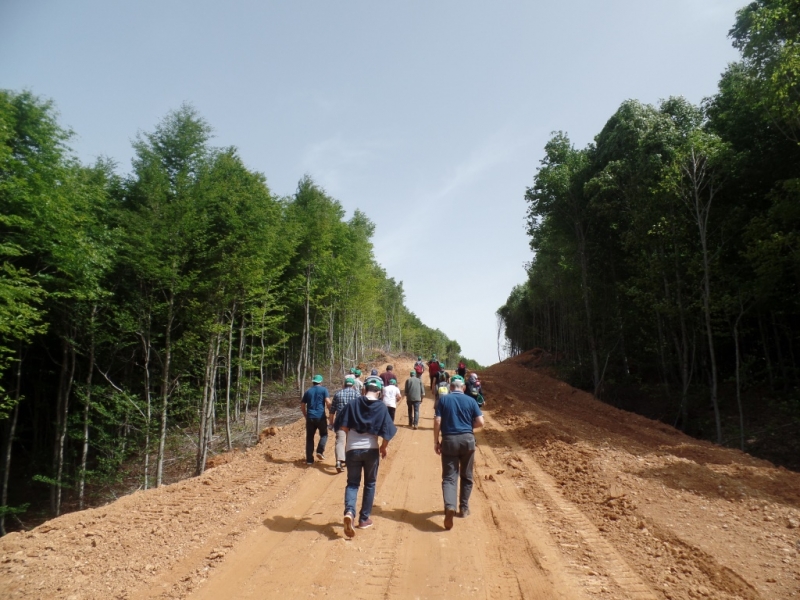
<point x="87" y="404"/>
<point x="146" y="350"/>
<point x="12" y="428"/>
<point x="587" y="306"/>
<point x="62" y="439"/>
<point x="242" y="338"/>
<point x="738" y="376"/>
<point x="229" y="371"/>
<point x="165" y="383"/>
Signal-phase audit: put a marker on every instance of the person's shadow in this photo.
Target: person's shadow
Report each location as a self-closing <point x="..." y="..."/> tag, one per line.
<point x="300" y="463"/>
<point x="288" y="524"/>
<point x="420" y="521"/>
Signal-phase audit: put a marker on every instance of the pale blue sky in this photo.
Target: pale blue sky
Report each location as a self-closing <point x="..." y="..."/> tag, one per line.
<point x="429" y="116"/>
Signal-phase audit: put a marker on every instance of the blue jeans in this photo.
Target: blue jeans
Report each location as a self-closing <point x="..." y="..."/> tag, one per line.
<point x="413" y="412"/>
<point x="356" y="460"/>
<point x="312" y="427"/>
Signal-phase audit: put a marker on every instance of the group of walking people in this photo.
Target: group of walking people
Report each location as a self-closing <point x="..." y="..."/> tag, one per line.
<point x="362" y="416"/>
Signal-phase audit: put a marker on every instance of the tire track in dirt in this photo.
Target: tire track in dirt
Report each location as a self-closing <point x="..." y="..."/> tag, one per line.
<point x="626" y="579"/>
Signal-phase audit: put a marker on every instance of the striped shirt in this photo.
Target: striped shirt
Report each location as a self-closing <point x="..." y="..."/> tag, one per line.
<point x="342" y="397"/>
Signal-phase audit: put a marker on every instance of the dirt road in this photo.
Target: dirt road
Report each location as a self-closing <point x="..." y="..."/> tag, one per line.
<point x="573" y="499"/>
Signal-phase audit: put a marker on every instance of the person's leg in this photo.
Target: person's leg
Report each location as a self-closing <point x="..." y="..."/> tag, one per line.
<point x="410" y="406"/>
<point x="311" y="428"/>
<point x="416" y="413"/>
<point x="449" y="473"/>
<point x="392" y="410"/>
<point x="322" y="427"/>
<point x="466" y="464"/>
<point x="341" y="440"/>
<point x="354" y="465"/>
<point x="371" y="462"/>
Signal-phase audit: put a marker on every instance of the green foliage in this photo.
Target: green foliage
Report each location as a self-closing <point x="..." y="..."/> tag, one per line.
<point x="677" y="220"/>
<point x="143" y="303"/>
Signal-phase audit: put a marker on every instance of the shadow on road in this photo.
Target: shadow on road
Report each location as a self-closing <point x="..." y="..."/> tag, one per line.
<point x="288" y="524"/>
<point x="420" y="521"/>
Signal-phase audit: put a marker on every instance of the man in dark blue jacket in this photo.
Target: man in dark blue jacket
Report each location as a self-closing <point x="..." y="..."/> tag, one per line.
<point x="364" y="420"/>
<point x="456" y="416"/>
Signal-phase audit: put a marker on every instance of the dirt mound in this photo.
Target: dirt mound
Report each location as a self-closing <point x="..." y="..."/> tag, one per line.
<point x="535" y="357"/>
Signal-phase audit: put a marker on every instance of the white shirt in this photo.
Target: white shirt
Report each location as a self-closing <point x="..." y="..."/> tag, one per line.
<point x="390" y="395"/>
<point x="360" y="441"/>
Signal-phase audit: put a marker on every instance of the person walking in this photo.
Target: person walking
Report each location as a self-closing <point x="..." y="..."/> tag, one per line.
<point x="456" y="418"/>
<point x="391" y="395"/>
<point x="419" y="367"/>
<point x="415" y="391"/>
<point x="358" y="385"/>
<point x="462" y="369"/>
<point x="313" y="404"/>
<point x="341" y="399"/>
<point x="433" y="371"/>
<point x="363" y="420"/>
<point x="474" y="390"/>
<point x="387" y="376"/>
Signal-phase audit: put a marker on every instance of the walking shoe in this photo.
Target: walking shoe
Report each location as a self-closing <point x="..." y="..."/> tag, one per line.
<point x="309" y="462"/>
<point x="448" y="518"/>
<point x="348" y="526"/>
<point x="339" y="467"/>
<point x="414" y="427"/>
<point x="365" y="524"/>
<point x="464" y="512"/>
<point x="320" y="456"/>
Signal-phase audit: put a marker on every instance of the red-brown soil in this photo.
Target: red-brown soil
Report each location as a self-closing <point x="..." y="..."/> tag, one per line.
<point x="573" y="499"/>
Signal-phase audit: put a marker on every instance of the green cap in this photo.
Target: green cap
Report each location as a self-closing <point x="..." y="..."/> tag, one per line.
<point x="358" y="373"/>
<point x="392" y="381"/>
<point x="349" y="381"/>
<point x="455" y="378"/>
<point x="419" y="358"/>
<point x="412" y="373"/>
<point x="317" y="379"/>
<point x="352" y="369"/>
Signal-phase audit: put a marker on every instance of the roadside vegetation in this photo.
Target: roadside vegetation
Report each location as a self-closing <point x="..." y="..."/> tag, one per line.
<point x="139" y="308"/>
<point x="666" y="275"/>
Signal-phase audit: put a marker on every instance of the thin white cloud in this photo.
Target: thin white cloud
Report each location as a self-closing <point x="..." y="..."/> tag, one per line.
<point x="334" y="161"/>
<point x="497" y="149"/>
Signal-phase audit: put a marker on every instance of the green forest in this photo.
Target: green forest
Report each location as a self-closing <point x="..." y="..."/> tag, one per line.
<point x="666" y="269"/>
<point x="169" y="301"/>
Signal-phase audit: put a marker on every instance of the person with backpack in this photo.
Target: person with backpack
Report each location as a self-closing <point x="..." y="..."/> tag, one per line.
<point x="363" y="421"/>
<point x="456" y="418"/>
<point x="474" y="389"/>
<point x="415" y="391"/>
<point x="462" y="369"/>
<point x="419" y="367"/>
<point x="433" y="371"/>
<point x="315" y="400"/>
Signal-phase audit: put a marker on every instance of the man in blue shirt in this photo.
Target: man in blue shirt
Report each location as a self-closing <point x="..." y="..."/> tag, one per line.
<point x="456" y="417"/>
<point x="313" y="405"/>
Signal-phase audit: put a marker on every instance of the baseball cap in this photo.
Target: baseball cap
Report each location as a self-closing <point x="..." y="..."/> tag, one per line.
<point x="392" y="381"/>
<point x="317" y="379"/>
<point x="357" y="373"/>
<point x="349" y="381"/>
<point x="456" y="378"/>
<point x="375" y="382"/>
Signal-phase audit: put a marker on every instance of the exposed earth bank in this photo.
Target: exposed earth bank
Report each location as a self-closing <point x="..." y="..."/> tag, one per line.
<point x="573" y="499"/>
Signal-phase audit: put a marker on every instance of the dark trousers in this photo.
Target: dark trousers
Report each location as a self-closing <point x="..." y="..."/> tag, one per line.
<point x="357" y="461"/>
<point x="312" y="427"/>
<point x="391" y="410"/>
<point x="413" y="412"/>
<point x="458" y="458"/>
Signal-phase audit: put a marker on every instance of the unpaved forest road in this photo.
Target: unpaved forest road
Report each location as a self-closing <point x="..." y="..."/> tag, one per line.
<point x="573" y="499"/>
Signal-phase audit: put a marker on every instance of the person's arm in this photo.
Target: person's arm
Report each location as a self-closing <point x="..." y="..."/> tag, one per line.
<point x="384" y="447"/>
<point x="477" y="422"/>
<point x="328" y="402"/>
<point x="437" y="445"/>
<point x="304" y="408"/>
